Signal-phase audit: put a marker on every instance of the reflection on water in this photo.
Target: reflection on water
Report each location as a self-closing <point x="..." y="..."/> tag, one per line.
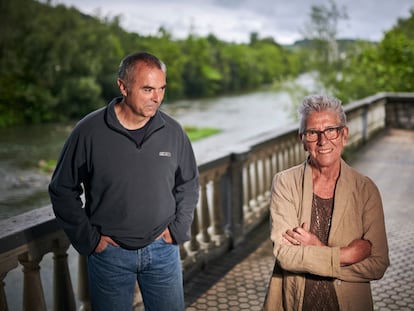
<point x="22" y="182"/>
<point x="23" y="185"/>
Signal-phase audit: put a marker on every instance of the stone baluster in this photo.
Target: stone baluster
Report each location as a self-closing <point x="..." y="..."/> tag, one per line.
<point x="293" y="156"/>
<point x="183" y="252"/>
<point x="288" y="153"/>
<point x="286" y="162"/>
<point x="237" y="197"/>
<point x="250" y="187"/>
<point x="302" y="153"/>
<point x="264" y="177"/>
<point x="8" y="263"/>
<point x="217" y="210"/>
<point x="245" y="190"/>
<point x="275" y="162"/>
<point x="256" y="183"/>
<point x="261" y="169"/>
<point x="193" y="245"/>
<point x="33" y="297"/>
<point x="3" y="300"/>
<point x="285" y="155"/>
<point x="83" y="284"/>
<point x="190" y="251"/>
<point x="279" y="160"/>
<point x="269" y="174"/>
<point x="204" y="219"/>
<point x="64" y="299"/>
<point x="296" y="153"/>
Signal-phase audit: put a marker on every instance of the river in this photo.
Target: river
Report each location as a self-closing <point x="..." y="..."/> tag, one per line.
<point x="23" y="185"/>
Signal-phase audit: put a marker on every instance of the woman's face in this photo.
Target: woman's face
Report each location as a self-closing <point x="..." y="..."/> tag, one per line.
<point x="325" y="152"/>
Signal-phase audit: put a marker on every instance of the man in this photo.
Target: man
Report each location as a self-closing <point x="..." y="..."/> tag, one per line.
<point x="137" y="169"/>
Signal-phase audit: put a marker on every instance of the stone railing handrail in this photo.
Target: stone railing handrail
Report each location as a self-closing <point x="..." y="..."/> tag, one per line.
<point x="234" y="199"/>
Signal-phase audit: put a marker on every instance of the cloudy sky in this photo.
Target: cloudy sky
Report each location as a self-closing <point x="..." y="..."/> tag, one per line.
<point x="234" y="20"/>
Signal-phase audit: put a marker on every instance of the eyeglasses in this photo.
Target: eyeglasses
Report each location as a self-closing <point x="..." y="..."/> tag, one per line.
<point x="330" y="133"/>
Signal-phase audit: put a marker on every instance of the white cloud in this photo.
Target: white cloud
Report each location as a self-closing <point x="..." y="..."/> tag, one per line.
<point x="234" y="20"/>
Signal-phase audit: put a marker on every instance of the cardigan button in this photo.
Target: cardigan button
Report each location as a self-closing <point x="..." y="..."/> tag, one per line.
<point x="338" y="282"/>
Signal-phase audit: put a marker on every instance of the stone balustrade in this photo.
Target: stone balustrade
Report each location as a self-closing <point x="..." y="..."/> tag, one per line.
<point x="234" y="199"/>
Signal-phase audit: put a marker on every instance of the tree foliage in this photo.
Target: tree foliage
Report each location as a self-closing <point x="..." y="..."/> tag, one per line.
<point x="362" y="68"/>
<point x="322" y="30"/>
<point x="370" y="68"/>
<point x="57" y="63"/>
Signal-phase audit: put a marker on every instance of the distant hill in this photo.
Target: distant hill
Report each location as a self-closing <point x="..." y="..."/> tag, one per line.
<point x="306" y="43"/>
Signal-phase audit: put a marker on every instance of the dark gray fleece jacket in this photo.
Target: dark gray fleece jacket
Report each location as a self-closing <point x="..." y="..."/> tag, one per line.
<point x="132" y="192"/>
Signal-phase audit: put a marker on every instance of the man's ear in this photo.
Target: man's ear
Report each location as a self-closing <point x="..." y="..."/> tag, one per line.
<point x="122" y="87"/>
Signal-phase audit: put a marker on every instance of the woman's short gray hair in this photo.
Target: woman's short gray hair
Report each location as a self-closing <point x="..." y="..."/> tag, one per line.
<point x="319" y="103"/>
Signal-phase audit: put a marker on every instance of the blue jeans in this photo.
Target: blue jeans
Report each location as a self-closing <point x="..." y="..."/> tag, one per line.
<point x="157" y="268"/>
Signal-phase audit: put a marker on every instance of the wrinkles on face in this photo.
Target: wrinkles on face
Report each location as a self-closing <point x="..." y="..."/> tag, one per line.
<point x="324" y="152"/>
<point x="143" y="95"/>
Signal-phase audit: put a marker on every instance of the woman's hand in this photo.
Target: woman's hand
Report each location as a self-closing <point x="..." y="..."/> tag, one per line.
<point x="301" y="236"/>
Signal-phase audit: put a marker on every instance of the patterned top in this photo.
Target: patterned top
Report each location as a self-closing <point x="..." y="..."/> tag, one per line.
<point x="319" y="291"/>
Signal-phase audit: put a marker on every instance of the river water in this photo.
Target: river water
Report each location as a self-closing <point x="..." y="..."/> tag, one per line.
<point x="23" y="185"/>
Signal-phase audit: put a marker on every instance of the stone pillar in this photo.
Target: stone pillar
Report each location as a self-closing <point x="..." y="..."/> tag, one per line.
<point x="193" y="245"/>
<point x="33" y="297"/>
<point x="217" y="209"/>
<point x="238" y="196"/>
<point x="3" y="300"/>
<point x="83" y="284"/>
<point x="8" y="263"/>
<point x="64" y="299"/>
<point x="204" y="219"/>
<point x="249" y="201"/>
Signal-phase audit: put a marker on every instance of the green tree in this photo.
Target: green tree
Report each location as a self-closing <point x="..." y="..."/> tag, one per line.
<point x="57" y="63"/>
<point x="322" y="30"/>
<point x="387" y="66"/>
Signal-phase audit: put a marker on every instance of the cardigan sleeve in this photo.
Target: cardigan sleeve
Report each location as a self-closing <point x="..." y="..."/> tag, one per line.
<point x="373" y="226"/>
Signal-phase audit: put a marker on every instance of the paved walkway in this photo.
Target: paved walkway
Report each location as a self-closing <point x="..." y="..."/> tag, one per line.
<point x="238" y="281"/>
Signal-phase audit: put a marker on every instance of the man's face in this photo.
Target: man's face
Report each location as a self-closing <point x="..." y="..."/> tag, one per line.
<point x="144" y="91"/>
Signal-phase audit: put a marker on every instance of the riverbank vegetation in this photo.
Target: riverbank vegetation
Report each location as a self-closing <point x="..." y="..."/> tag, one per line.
<point x="58" y="64"/>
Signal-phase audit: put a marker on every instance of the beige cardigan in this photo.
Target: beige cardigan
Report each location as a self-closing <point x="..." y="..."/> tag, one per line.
<point x="357" y="213"/>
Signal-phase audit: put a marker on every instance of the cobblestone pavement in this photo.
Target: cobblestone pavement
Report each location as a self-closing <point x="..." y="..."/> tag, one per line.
<point x="238" y="281"/>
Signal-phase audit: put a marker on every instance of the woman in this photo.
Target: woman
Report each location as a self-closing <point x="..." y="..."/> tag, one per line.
<point x="327" y="222"/>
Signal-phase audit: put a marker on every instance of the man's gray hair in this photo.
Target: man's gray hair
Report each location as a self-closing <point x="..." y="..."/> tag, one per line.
<point x="128" y="64"/>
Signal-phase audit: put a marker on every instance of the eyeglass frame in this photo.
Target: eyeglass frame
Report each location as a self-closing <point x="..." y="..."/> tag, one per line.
<point x="319" y="133"/>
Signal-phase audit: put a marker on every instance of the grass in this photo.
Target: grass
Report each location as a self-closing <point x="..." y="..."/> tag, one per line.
<point x="195" y="133"/>
<point x="47" y="166"/>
